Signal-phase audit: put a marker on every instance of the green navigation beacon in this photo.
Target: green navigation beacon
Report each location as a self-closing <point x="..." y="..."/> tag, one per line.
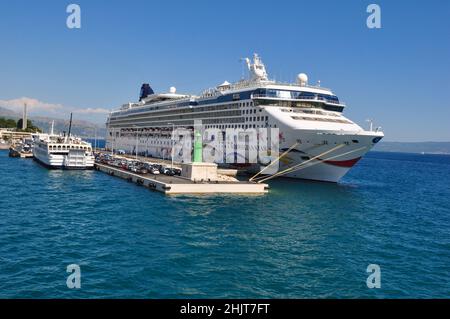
<point x="198" y="144"/>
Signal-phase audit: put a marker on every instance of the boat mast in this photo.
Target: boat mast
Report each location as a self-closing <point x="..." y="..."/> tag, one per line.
<point x="70" y="127"/>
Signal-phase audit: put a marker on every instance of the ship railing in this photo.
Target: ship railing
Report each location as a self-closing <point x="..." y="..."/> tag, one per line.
<point x="255" y="83"/>
<point x="303" y="98"/>
<point x="251" y="83"/>
<point x="305" y="85"/>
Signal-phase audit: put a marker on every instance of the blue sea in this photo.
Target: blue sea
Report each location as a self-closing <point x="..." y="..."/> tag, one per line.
<point x="302" y="240"/>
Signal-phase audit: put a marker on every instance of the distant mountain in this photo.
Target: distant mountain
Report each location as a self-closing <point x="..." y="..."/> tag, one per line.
<point x="414" y="147"/>
<point x="7" y="113"/>
<point x="79" y="127"/>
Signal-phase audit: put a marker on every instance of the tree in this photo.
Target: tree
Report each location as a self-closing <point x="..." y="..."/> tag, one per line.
<point x="7" y="123"/>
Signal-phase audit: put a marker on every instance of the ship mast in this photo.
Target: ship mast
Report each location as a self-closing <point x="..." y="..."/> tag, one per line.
<point x="257" y="68"/>
<point x="70" y="127"/>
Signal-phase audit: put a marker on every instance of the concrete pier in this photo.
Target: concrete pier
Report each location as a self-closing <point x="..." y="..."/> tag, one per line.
<point x="180" y="185"/>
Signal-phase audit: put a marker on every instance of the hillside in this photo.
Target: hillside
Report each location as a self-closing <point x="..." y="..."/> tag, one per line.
<point x="6" y="113"/>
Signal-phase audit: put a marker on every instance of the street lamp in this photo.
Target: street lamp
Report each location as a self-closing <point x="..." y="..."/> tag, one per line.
<point x="106" y="138"/>
<point x="171" y="142"/>
<point x="112" y="142"/>
<point x="137" y="142"/>
<point x="95" y="139"/>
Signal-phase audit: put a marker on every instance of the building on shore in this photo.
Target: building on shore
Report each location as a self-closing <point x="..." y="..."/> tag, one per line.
<point x="11" y="135"/>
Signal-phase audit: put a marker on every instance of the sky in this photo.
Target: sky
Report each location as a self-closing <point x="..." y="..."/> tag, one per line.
<point x="398" y="75"/>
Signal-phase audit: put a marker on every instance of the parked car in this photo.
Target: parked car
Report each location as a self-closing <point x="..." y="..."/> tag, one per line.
<point x="154" y="171"/>
<point x="169" y="172"/>
<point x="141" y="169"/>
<point x="163" y="170"/>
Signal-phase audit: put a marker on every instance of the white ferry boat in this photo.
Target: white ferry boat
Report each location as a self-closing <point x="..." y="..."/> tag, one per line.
<point x="312" y="128"/>
<point x="56" y="151"/>
<point x="66" y="152"/>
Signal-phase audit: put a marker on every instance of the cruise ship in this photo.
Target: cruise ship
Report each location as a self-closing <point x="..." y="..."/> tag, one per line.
<point x="316" y="141"/>
<point x="63" y="152"/>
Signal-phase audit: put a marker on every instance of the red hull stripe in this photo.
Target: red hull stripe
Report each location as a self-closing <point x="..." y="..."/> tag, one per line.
<point x="347" y="163"/>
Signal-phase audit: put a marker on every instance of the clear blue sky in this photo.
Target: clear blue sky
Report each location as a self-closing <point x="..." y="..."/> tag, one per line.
<point x="398" y="75"/>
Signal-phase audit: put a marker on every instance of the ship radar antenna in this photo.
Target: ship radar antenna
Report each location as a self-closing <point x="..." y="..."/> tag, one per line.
<point x="244" y="62"/>
<point x="257" y="69"/>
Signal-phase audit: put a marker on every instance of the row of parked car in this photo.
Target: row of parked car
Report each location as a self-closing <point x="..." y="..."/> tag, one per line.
<point x="136" y="166"/>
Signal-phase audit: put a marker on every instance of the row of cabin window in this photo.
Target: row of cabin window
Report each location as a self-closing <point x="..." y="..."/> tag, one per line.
<point x="182" y="117"/>
<point x="249" y="119"/>
<point x="64" y="147"/>
<point x="197" y="109"/>
<point x="169" y="109"/>
<point x="246" y="126"/>
<point x="256" y="118"/>
<point x="244" y="104"/>
<point x="320" y="119"/>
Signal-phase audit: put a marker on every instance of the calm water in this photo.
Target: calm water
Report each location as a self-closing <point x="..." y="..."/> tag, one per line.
<point x="304" y="239"/>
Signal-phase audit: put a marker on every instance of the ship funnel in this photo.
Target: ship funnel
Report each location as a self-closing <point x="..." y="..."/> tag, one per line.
<point x="146" y="90"/>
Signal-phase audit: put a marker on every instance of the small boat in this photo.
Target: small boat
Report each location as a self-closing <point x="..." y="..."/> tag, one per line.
<point x="13" y="151"/>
